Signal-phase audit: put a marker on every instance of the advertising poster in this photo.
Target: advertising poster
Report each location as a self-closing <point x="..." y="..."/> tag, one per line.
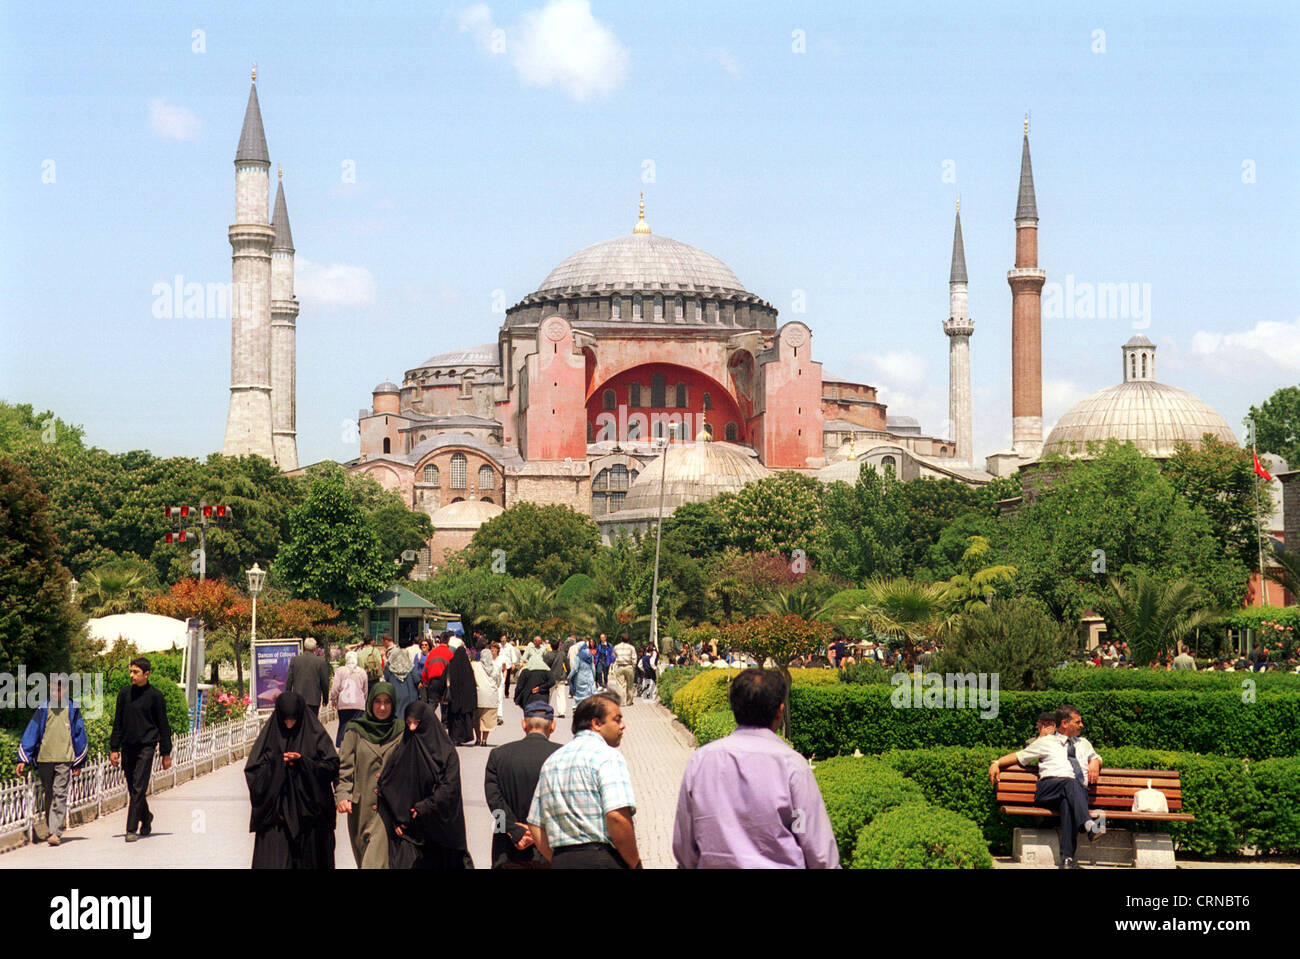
<point x="271" y="659"/>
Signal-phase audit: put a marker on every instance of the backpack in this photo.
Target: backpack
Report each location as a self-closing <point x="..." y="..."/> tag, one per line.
<point x="369" y="661"/>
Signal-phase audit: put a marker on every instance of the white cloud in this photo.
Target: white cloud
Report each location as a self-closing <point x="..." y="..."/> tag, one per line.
<point x="337" y="285"/>
<point x="561" y="45"/>
<point x="171" y="121"/>
<point x="727" y="60"/>
<point x="893" y="369"/>
<point x="1058" y="396"/>
<point x="1267" y="343"/>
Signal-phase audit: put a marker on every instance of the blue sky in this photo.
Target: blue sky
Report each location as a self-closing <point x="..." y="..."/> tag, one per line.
<point x="1164" y="154"/>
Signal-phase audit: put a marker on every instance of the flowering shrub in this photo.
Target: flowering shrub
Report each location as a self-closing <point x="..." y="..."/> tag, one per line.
<point x="223" y="706"/>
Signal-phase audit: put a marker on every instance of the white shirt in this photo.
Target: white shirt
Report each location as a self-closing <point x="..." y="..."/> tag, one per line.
<point x="1052" y="757"/>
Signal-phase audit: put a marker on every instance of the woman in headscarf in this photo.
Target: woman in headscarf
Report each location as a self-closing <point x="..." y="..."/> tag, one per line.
<point x="291" y="771"/>
<point x="367" y="744"/>
<point x="584" y="677"/>
<point x="419" y="797"/>
<point x="348" y="693"/>
<point x="462" y="698"/>
<point x="400" y="671"/>
<point x="534" y="675"/>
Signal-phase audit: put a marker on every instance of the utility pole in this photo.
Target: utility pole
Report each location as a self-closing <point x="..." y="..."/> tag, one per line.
<point x="186" y="518"/>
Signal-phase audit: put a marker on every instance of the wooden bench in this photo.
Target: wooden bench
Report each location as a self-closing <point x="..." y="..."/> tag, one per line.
<point x="1112" y="793"/>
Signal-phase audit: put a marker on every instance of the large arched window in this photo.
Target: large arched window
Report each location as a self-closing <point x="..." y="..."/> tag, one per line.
<point x="634" y="395"/>
<point x="487" y="479"/>
<point x="891" y="463"/>
<point x="636" y="308"/>
<point x="681" y="396"/>
<point x="487" y="499"/>
<point x="616" y="308"/>
<point x="677" y="309"/>
<point x="634" y="429"/>
<point x="732" y="433"/>
<point x="608" y="400"/>
<point x="658" y="392"/>
<point x="659" y="309"/>
<point x="458" y="469"/>
<point x="431" y="475"/>
<point x="609" y="488"/>
<point x="699" y="310"/>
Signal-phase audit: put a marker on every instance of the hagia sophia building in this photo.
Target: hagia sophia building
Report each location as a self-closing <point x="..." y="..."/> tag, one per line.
<point x="635" y="340"/>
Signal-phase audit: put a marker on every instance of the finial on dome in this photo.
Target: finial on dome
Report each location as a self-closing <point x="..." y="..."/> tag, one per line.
<point x="254" y="71"/>
<point x="705" y="435"/>
<point x="641" y="225"/>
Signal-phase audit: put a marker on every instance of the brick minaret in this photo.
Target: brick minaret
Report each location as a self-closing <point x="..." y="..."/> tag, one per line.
<point x="959" y="328"/>
<point x="284" y="320"/>
<point x="1026" y="320"/>
<point x="248" y="424"/>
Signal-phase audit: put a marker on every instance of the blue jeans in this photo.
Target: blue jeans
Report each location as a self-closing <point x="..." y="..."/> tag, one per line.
<point x="345" y="716"/>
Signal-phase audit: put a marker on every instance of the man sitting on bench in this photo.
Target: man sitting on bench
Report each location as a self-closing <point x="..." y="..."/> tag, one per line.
<point x="1066" y="764"/>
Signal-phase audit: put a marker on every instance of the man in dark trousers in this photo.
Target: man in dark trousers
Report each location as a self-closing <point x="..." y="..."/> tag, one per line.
<point x="140" y="728"/>
<point x="309" y="676"/>
<point x="508" y="785"/>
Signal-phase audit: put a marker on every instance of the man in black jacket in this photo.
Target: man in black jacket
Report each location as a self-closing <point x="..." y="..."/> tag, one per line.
<point x="309" y="676"/>
<point x="508" y="784"/>
<point x="139" y="728"/>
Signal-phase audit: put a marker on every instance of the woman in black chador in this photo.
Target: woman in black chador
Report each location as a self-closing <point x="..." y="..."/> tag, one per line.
<point x="291" y="771"/>
<point x="462" y="698"/>
<point x="419" y="797"/>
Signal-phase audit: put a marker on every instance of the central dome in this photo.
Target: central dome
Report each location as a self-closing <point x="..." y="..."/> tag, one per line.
<point x="641" y="262"/>
<point x="1154" y="417"/>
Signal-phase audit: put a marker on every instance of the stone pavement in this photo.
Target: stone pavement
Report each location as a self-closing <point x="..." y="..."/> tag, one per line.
<point x="204" y="822"/>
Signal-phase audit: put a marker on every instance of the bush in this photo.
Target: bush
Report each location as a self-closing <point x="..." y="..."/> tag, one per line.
<point x="1275" y="822"/>
<point x="1015" y="638"/>
<point x="956" y="778"/>
<point x="178" y="712"/>
<point x="835" y="720"/>
<point x="714" y="725"/>
<point x="709" y="691"/>
<point x="868" y="672"/>
<point x="855" y="791"/>
<point x="1100" y="677"/>
<point x="671" y="680"/>
<point x="921" y="837"/>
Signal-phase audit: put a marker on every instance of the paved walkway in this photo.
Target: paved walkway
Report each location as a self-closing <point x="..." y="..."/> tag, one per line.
<point x="204" y="822"/>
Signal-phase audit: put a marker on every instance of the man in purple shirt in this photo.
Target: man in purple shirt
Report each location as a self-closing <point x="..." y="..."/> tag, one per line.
<point x="749" y="801"/>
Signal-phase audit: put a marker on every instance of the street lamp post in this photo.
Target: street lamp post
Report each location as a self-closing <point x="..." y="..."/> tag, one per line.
<point x="256" y="577"/>
<point x="659" y="529"/>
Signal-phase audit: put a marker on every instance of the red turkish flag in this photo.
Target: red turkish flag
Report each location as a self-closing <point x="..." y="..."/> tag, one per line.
<point x="1260" y="469"/>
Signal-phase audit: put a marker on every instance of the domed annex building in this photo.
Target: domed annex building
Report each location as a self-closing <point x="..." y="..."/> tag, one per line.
<point x="625" y="343"/>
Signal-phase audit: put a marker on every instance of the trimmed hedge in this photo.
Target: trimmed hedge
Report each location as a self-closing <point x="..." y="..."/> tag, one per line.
<point x="858" y="789"/>
<point x="708" y="691"/>
<point x="669" y="681"/>
<point x="836" y="720"/>
<point x="1275" y="820"/>
<point x="1101" y="678"/>
<point x="957" y="779"/>
<point x="714" y="725"/>
<point x="921" y="837"/>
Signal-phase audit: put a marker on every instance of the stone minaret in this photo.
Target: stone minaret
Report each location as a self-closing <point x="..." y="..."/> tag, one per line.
<point x="248" y="424"/>
<point x="284" y="318"/>
<point x="1026" y="320"/>
<point x="959" y="328"/>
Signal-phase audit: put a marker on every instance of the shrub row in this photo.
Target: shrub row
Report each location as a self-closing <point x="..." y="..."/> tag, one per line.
<point x="714" y="725"/>
<point x="921" y="837"/>
<point x="708" y="691"/>
<point x="836" y="720"/>
<point x="1100" y="677"/>
<point x="671" y="680"/>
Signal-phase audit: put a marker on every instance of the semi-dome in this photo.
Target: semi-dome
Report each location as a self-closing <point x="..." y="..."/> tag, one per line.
<point x="693" y="473"/>
<point x="388" y="386"/>
<point x="642" y="262"/>
<point x="485" y="355"/>
<point x="1154" y="417"/>
<point x="467" y="514"/>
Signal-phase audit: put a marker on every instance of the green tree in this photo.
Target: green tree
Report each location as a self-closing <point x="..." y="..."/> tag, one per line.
<point x="37" y="621"/>
<point x="944" y="558"/>
<point x="780" y="513"/>
<point x="1277" y="425"/>
<point x="865" y="526"/>
<point x="980" y="576"/>
<point x="1014" y="639"/>
<point x="526" y="609"/>
<point x="21" y="428"/>
<point x="781" y="639"/>
<point x="550" y="542"/>
<point x="1220" y="479"/>
<point x="697" y="530"/>
<point x="1287" y="571"/>
<point x="1152" y="615"/>
<point x="905" y="610"/>
<point x="123" y="586"/>
<point x="460" y="588"/>
<point x="932" y="505"/>
<point x="333" y="555"/>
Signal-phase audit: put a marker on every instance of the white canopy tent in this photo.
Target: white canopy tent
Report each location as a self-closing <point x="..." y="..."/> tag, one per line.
<point x="149" y="633"/>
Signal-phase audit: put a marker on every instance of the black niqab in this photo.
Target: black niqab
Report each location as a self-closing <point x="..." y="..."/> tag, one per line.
<point x="296" y="796"/>
<point x="423" y="774"/>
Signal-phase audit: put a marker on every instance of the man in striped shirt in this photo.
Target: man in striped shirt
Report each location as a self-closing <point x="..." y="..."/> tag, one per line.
<point x="581" y="815"/>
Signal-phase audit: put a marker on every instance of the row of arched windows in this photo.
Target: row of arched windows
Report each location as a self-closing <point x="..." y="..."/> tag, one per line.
<point x="459" y="474"/>
<point x="658" y="396"/>
<point x="609" y="489"/>
<point x="659" y="430"/>
<point x="705" y="310"/>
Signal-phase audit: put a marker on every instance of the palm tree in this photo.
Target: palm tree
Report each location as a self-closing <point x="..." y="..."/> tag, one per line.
<point x="1287" y="571"/>
<point x="526" y="609"/>
<point x="800" y="601"/>
<point x="976" y="584"/>
<point x="607" y="618"/>
<point x="114" y="588"/>
<point x="907" y="610"/>
<point x="1151" y="615"/>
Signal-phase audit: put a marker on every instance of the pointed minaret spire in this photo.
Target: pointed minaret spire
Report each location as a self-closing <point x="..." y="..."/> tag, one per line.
<point x="958" y="272"/>
<point x="1026" y="206"/>
<point x="280" y="220"/>
<point x="252" y="138"/>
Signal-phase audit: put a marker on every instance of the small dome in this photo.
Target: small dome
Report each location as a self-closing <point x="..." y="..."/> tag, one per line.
<point x="387" y="387"/>
<point x="693" y="473"/>
<point x="467" y="514"/>
<point x="1153" y="416"/>
<point x="642" y="262"/>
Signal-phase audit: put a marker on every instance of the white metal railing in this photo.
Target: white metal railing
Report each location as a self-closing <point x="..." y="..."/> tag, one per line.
<point x="101" y="781"/>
